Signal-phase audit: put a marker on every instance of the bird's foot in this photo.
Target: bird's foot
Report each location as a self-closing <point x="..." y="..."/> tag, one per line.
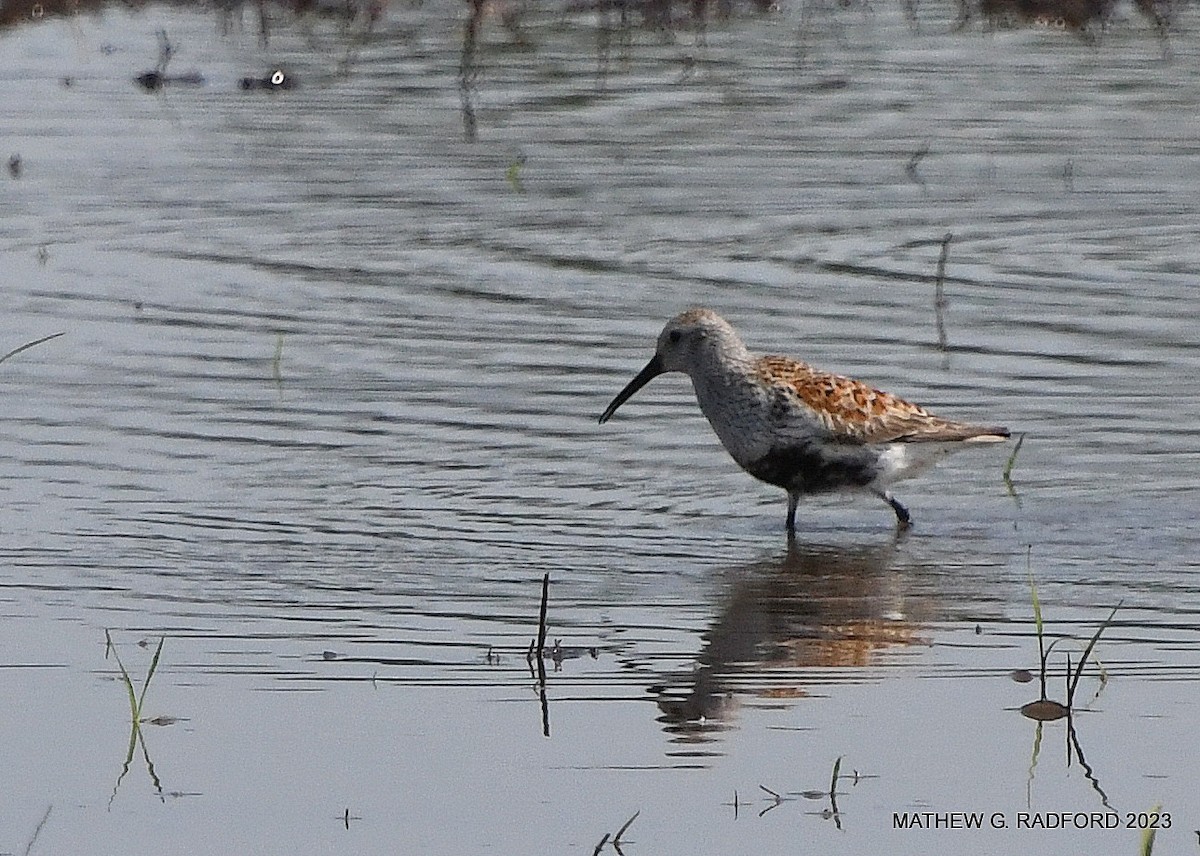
<point x="903" y="518"/>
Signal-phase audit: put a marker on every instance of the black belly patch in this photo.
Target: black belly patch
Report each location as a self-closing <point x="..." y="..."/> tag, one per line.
<point x="812" y="467"/>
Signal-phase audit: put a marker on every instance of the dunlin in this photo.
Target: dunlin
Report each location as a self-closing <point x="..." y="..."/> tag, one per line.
<point x="793" y="426"/>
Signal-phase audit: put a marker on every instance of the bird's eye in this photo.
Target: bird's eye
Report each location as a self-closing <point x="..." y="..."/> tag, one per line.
<point x="675" y="336"/>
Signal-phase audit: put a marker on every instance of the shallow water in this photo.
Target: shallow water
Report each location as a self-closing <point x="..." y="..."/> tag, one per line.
<point x="325" y="409"/>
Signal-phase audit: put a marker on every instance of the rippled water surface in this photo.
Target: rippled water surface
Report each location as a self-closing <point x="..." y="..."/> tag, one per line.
<point x="324" y="414"/>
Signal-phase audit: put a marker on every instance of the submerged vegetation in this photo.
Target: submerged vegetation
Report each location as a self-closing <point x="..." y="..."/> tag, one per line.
<point x="136" y="719"/>
<point x="136" y="700"/>
<point x="1045" y="709"/>
<point x="1010" y="463"/>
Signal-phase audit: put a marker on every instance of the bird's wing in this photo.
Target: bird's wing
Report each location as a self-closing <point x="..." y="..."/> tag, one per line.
<point x="853" y="412"/>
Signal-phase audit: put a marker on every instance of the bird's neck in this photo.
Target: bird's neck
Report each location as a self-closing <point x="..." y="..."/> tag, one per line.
<point x="733" y="402"/>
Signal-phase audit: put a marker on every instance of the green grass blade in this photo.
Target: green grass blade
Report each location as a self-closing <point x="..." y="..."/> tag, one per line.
<point x="1087" y="652"/>
<point x="125" y="679"/>
<point x="1148" y="834"/>
<point x="150" y="674"/>
<point x="1033" y="592"/>
<point x="1037" y="619"/>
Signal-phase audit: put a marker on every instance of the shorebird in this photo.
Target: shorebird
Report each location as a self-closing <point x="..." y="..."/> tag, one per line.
<point x="796" y="427"/>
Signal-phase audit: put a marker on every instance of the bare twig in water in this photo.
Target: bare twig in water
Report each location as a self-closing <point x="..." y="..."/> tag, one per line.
<point x="1008" y="468"/>
<point x="541" y="639"/>
<point x="777" y="800"/>
<point x="833" y="806"/>
<point x="939" y="298"/>
<point x="617" y="838"/>
<point x="910" y="169"/>
<point x="544" y="702"/>
<point x="29" y="345"/>
<point x="38" y="830"/>
<point x="468" y="70"/>
<point x="537" y="650"/>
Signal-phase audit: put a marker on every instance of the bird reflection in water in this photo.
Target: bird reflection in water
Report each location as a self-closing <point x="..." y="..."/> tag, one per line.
<point x="816" y="606"/>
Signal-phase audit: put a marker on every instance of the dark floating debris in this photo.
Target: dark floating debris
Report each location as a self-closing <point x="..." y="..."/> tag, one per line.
<point x="164" y="720"/>
<point x="278" y="79"/>
<point x="1088" y="18"/>
<point x="152" y="81"/>
<point x="1045" y="710"/>
<point x="14" y="165"/>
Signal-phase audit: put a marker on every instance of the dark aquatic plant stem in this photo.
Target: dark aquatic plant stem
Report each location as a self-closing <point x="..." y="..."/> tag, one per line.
<point x="29" y="345"/>
<point x="541" y="639"/>
<point x="617" y="838"/>
<point x="537" y="653"/>
<point x="939" y="298"/>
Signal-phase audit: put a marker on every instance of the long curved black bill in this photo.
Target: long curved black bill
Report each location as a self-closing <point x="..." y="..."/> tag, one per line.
<point x="652" y="370"/>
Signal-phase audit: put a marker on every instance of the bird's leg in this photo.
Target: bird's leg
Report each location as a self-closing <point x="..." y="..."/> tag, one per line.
<point x="793" y="501"/>
<point x="903" y="518"/>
